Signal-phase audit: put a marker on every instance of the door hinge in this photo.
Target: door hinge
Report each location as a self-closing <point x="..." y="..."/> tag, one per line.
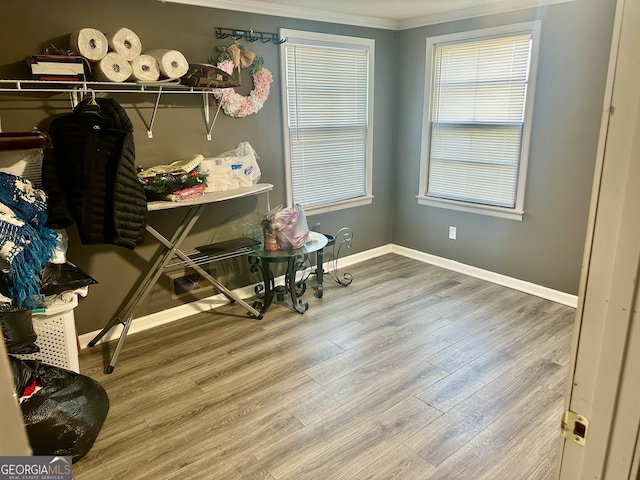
<point x="575" y="427"/>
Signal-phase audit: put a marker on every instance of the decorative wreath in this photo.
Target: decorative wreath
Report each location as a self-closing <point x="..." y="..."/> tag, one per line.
<point x="232" y="103"/>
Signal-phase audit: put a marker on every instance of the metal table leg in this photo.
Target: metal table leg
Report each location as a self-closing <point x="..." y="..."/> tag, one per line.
<point x="295" y="263"/>
<point x="291" y="289"/>
<point x="266" y="290"/>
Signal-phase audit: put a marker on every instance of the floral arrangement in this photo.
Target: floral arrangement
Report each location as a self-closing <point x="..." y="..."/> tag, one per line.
<point x="231" y="102"/>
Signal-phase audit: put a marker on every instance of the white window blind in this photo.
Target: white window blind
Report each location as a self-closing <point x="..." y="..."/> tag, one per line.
<point x="327" y="118"/>
<point x="479" y="94"/>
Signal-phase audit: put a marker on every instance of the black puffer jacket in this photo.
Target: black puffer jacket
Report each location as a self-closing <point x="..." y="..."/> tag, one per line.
<point x="89" y="176"/>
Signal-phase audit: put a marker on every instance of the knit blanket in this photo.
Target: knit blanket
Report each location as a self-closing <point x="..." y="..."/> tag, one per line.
<point x="26" y="244"/>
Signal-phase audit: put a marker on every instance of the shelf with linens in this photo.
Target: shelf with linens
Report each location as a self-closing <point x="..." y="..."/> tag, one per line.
<point x="79" y="89"/>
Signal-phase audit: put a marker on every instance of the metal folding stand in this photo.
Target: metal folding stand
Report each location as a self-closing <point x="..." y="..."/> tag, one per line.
<point x="171" y="250"/>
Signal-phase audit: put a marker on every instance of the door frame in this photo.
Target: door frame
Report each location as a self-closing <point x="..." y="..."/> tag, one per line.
<point x="604" y="385"/>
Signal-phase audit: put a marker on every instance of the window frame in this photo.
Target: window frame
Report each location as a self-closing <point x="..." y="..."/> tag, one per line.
<point x="517" y="212"/>
<point x="305" y="38"/>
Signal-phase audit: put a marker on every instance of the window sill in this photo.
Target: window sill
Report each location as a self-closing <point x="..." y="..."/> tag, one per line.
<point x="332" y="207"/>
<point x="507" y="213"/>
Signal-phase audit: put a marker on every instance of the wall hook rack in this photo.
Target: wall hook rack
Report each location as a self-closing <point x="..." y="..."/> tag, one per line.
<point x="248" y="35"/>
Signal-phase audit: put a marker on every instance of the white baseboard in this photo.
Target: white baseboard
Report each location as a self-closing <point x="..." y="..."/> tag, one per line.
<point x="166" y="316"/>
<point x="209" y="303"/>
<point x="363" y="256"/>
<point x="516" y="284"/>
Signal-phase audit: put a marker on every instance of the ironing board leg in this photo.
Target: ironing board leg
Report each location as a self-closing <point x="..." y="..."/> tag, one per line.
<point x="132" y="303"/>
<point x="116" y="352"/>
<point x="152" y="276"/>
<point x="171" y="249"/>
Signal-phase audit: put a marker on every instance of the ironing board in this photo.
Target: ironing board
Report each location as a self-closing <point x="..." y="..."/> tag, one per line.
<point x="194" y="209"/>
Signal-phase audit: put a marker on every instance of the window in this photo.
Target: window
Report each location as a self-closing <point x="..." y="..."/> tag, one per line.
<point x="478" y="109"/>
<point x="327" y="97"/>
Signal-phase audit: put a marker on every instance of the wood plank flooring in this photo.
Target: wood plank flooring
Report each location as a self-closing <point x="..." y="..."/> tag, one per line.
<point x="411" y="372"/>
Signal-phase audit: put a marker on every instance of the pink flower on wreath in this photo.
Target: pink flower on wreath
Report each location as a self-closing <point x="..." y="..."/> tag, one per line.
<point x="227" y="66"/>
<point x="262" y="83"/>
<point x="236" y="105"/>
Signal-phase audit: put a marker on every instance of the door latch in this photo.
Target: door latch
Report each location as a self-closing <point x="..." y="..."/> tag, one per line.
<point x="575" y="427"/>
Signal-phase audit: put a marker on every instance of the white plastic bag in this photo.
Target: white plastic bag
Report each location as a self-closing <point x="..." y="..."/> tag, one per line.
<point x="285" y="228"/>
<point x="232" y="169"/>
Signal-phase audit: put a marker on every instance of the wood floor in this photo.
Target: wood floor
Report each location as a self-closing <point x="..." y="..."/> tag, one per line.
<point x="411" y="372"/>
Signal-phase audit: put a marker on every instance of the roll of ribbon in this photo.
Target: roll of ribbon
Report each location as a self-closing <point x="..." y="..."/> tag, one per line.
<point x="145" y="69"/>
<point x="90" y="43"/>
<point x="171" y="62"/>
<point x="125" y="42"/>
<point x="112" y="68"/>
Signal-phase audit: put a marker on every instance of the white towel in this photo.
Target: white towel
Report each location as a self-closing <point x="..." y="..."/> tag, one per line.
<point x="112" y="68"/>
<point x="145" y="69"/>
<point x="171" y="62"/>
<point x="179" y="167"/>
<point x="90" y="43"/>
<point x="125" y="42"/>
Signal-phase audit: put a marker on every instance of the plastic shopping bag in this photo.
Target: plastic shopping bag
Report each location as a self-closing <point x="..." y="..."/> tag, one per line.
<point x="232" y="169"/>
<point x="285" y="228"/>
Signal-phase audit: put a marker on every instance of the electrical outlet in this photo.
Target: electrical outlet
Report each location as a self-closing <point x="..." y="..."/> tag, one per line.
<point x="453" y="232"/>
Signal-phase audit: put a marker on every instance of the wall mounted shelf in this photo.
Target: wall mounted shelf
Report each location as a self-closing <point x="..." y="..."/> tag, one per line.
<point x="78" y="89"/>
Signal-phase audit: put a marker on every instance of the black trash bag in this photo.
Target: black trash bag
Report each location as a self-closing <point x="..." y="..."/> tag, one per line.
<point x="23" y="374"/>
<point x="56" y="278"/>
<point x="65" y="417"/>
<point x="17" y="330"/>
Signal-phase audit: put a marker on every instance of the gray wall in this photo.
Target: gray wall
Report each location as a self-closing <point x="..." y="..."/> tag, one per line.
<point x="546" y="247"/>
<point x="179" y="127"/>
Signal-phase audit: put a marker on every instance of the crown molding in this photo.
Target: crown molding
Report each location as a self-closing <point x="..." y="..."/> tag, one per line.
<point x="478" y="11"/>
<point x="288" y="11"/>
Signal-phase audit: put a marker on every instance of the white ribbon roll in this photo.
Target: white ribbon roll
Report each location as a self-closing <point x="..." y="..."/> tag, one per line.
<point x="90" y="43"/>
<point x="145" y="69"/>
<point x="112" y="68"/>
<point x="125" y="42"/>
<point x="171" y="62"/>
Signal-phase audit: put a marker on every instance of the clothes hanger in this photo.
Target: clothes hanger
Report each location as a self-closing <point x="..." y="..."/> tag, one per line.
<point x="92" y="106"/>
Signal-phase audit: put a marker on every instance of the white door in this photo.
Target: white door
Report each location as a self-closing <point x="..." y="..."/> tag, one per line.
<point x="605" y="380"/>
